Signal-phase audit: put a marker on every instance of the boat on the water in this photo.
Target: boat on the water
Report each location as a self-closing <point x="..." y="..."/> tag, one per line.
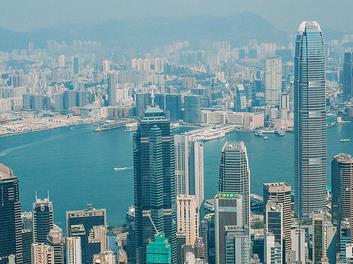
<point x="345" y="140"/>
<point x="259" y="133"/>
<point x="109" y="126"/>
<point x="265" y="137"/>
<point x="279" y="133"/>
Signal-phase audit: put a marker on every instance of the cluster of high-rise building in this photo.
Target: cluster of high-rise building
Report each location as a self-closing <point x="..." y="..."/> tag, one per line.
<point x="172" y="222"/>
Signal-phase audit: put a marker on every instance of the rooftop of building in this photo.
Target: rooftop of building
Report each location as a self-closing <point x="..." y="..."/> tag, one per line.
<point x="344" y="158"/>
<point x="227" y="195"/>
<point x="90" y="211"/>
<point x="309" y="26"/>
<point x="277" y="186"/>
<point x="5" y="172"/>
<point x="234" y="145"/>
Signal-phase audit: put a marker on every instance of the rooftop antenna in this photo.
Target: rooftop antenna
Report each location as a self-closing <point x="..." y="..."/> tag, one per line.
<point x="152" y="97"/>
<point x="36" y="194"/>
<point x="48" y="195"/>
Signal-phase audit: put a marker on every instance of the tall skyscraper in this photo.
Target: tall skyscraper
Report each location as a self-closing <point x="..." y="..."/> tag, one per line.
<point x="43" y="219"/>
<point x="75" y="65"/>
<point x="173" y="106"/>
<point x="234" y="175"/>
<point x="231" y="238"/>
<point x="273" y="253"/>
<point x="273" y="80"/>
<point x="55" y="239"/>
<point x="348" y="76"/>
<point x="298" y="245"/>
<point x="142" y="100"/>
<point x="189" y="170"/>
<point x="274" y="226"/>
<point x="309" y="119"/>
<point x="42" y="254"/>
<point x="188" y="217"/>
<point x="282" y="192"/>
<point x="154" y="181"/>
<point x="10" y="216"/>
<point x="73" y="250"/>
<point x="342" y="189"/>
<point x="192" y="109"/>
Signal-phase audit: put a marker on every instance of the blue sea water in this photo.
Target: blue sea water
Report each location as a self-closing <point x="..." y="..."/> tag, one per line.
<point x="79" y="166"/>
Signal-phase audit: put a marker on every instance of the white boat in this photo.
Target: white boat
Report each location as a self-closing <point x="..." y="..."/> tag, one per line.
<point x="121" y="168"/>
<point x="265" y="138"/>
<point x="345" y="140"/>
<point x="131" y="127"/>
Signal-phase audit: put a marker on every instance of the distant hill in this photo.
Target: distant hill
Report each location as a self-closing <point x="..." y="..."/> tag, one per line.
<point x="150" y="32"/>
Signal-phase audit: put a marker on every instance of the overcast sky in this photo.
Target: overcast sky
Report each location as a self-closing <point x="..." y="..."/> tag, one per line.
<point x="284" y="14"/>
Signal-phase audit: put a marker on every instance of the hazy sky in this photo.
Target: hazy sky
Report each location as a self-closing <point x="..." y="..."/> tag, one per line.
<point x="284" y="14"/>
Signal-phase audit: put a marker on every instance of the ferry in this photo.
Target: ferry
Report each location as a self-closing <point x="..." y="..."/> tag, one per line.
<point x="345" y="140"/>
<point x="279" y="133"/>
<point x="121" y="168"/>
<point x="131" y="127"/>
<point x="265" y="138"/>
<point x="109" y="126"/>
<point x="259" y="133"/>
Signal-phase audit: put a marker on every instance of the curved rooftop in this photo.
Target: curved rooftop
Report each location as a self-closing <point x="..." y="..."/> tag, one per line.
<point x="309" y="26"/>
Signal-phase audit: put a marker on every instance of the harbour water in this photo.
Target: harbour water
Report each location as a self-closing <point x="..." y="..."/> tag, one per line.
<point x="78" y="166"/>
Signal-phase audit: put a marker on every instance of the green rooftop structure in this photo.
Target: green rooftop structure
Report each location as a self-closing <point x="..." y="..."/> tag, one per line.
<point x="159" y="251"/>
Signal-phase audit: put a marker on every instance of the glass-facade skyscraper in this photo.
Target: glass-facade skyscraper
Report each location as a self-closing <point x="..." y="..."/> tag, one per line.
<point x="154" y="181"/>
<point x="43" y="219"/>
<point x="348" y="76"/>
<point x="310" y="119"/>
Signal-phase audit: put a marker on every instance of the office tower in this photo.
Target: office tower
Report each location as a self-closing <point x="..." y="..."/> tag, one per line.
<point x="55" y="239"/>
<point x="345" y="238"/>
<point x="83" y="98"/>
<point x="73" y="250"/>
<point x="154" y="181"/>
<point x="112" y="98"/>
<point x="105" y="257"/>
<point x="80" y="223"/>
<point x="284" y="103"/>
<point x="180" y="243"/>
<point x="27" y="240"/>
<point x="159" y="100"/>
<point x="189" y="171"/>
<point x="309" y="119"/>
<point x="240" y="100"/>
<point x="199" y="248"/>
<point x="106" y="66"/>
<point x="234" y="175"/>
<point x="282" y="192"/>
<point x="75" y="65"/>
<point x="173" y="106"/>
<point x="342" y="188"/>
<point x="61" y="61"/>
<point x="273" y="80"/>
<point x="349" y="254"/>
<point x="298" y="245"/>
<point x="324" y="238"/>
<point x="10" y="216"/>
<point x="42" y="254"/>
<point x="43" y="219"/>
<point x="159" y="251"/>
<point x="192" y="109"/>
<point x="209" y="237"/>
<point x="142" y="100"/>
<point x="348" y="76"/>
<point x="69" y="100"/>
<point x="274" y="226"/>
<point x="231" y="238"/>
<point x="273" y="253"/>
<point x="258" y="247"/>
<point x="188" y="217"/>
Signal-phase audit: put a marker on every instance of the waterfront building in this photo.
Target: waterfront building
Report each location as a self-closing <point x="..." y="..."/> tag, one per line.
<point x="10" y="217"/>
<point x="80" y="223"/>
<point x="342" y="188"/>
<point x="274" y="229"/>
<point x="310" y="119"/>
<point x="43" y="219"/>
<point x="348" y="76"/>
<point x="231" y="238"/>
<point x="273" y="80"/>
<point x="234" y="175"/>
<point x="188" y="217"/>
<point x="192" y="109"/>
<point x="154" y="181"/>
<point x="73" y="250"/>
<point x="55" y="239"/>
<point x="159" y="251"/>
<point x="42" y="254"/>
<point x="281" y="192"/>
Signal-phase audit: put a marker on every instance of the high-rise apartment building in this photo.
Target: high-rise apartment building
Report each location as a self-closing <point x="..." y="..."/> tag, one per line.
<point x="111" y="89"/>
<point x="188" y="217"/>
<point x="234" y="175"/>
<point x="348" y="76"/>
<point x="42" y="254"/>
<point x="309" y="119"/>
<point x="273" y="80"/>
<point x="43" y="219"/>
<point x="10" y="217"/>
<point x="73" y="250"/>
<point x="281" y="192"/>
<point x="154" y="181"/>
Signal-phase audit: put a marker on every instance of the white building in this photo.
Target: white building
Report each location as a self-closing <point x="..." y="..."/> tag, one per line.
<point x="73" y="250"/>
<point x="42" y="254"/>
<point x="273" y="80"/>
